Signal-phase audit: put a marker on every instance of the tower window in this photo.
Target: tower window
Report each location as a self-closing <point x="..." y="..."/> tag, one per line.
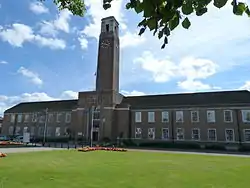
<point x="107" y="27"/>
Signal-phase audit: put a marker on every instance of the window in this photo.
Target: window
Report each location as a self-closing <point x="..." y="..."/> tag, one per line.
<point x="11" y="130"/>
<point x="245" y="116"/>
<point x="107" y="27"/>
<point x="228" y="116"/>
<point x="211" y="135"/>
<point x="12" y="118"/>
<point x="68" y="117"/>
<point x="137" y="117"/>
<point x="194" y="116"/>
<point x="51" y="117"/>
<point x="19" y="118"/>
<point x="165" y="133"/>
<point x="151" y="117"/>
<point x="195" y="134"/>
<point x="18" y="130"/>
<point x="164" y="117"/>
<point x="67" y="131"/>
<point x="96" y="114"/>
<point x="151" y="133"/>
<point x="247" y="135"/>
<point x="49" y="131"/>
<point x="58" y="131"/>
<point x="229" y="134"/>
<point x="58" y="117"/>
<point x="42" y="119"/>
<point x="41" y="131"/>
<point x="179" y="116"/>
<point x="34" y="117"/>
<point x="32" y="131"/>
<point x="180" y="134"/>
<point x="210" y="116"/>
<point x="25" y="130"/>
<point x="26" y="117"/>
<point x="138" y="133"/>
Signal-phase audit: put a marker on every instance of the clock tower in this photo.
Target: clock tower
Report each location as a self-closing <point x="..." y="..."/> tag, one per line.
<point x="107" y="75"/>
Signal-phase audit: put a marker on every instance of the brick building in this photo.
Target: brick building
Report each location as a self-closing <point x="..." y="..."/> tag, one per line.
<point x="208" y="117"/>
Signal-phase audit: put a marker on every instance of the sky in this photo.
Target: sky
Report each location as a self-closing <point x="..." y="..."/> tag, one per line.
<point x="50" y="55"/>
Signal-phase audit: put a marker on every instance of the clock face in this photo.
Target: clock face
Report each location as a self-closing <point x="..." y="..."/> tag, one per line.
<point x="105" y="43"/>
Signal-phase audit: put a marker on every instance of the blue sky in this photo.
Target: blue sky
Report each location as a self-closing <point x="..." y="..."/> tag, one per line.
<point x="47" y="55"/>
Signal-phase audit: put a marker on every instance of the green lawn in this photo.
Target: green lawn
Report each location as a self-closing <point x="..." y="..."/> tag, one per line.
<point x="72" y="169"/>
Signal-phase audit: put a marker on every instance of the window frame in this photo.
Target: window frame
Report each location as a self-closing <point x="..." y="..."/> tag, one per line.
<point x="226" y="135"/>
<point x="138" y="119"/>
<point x="58" y="117"/>
<point x="243" y="119"/>
<point x="192" y="116"/>
<point x="244" y="133"/>
<point x="181" y="112"/>
<point x="199" y="134"/>
<point x="151" y="128"/>
<point x="139" y="128"/>
<point x="162" y="137"/>
<point x="214" y="119"/>
<point x="163" y="117"/>
<point x="183" y="131"/>
<point x="68" y="117"/>
<point x="208" y="138"/>
<point x="231" y="115"/>
<point x="151" y="114"/>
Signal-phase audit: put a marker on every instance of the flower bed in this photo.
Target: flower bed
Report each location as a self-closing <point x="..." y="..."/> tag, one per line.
<point x="6" y="144"/>
<point x="2" y="155"/>
<point x="86" y="149"/>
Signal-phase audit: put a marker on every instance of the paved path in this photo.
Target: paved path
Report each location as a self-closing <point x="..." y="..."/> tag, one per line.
<point x="192" y="153"/>
<point x="24" y="150"/>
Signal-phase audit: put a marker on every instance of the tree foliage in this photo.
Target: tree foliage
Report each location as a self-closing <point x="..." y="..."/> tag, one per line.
<point x="161" y="16"/>
<point x="77" y="7"/>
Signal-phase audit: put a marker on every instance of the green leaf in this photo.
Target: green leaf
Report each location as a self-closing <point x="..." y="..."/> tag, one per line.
<point x="247" y="11"/>
<point x="143" y="23"/>
<point x="163" y="46"/>
<point x="166" y="40"/>
<point x="160" y="34"/>
<point x="128" y="5"/>
<point x="186" y="23"/>
<point x="201" y="11"/>
<point x="174" y="22"/>
<point x="177" y="3"/>
<point x="166" y="31"/>
<point x="142" y="30"/>
<point x="239" y="9"/>
<point x="187" y="8"/>
<point x="139" y="7"/>
<point x="148" y="9"/>
<point x="220" y="3"/>
<point x="106" y="6"/>
<point x="152" y="24"/>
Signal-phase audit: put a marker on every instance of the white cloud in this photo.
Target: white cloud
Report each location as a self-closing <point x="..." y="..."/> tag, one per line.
<point x="96" y="11"/>
<point x="194" y="85"/>
<point x="132" y="93"/>
<point x="3" y="62"/>
<point x="38" y="8"/>
<point x="131" y="39"/>
<point x="190" y="68"/>
<point x="8" y="101"/>
<point x="21" y="33"/>
<point x="34" y="77"/>
<point x="83" y="42"/>
<point x="61" y="23"/>
<point x="246" y="86"/>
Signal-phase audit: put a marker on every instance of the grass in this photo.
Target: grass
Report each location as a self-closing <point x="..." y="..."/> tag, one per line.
<point x="72" y="169"/>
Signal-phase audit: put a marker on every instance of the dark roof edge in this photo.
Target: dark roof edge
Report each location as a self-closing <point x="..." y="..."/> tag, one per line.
<point x="208" y="92"/>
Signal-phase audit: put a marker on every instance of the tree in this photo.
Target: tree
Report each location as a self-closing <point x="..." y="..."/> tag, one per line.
<point x="161" y="16"/>
<point x="77" y="7"/>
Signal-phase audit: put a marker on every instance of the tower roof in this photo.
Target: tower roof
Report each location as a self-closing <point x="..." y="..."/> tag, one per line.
<point x="110" y="18"/>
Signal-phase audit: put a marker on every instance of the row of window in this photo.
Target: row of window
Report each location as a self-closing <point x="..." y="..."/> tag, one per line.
<point x="195" y="134"/>
<point x="41" y="118"/>
<point x="50" y="131"/>
<point x="179" y="118"/>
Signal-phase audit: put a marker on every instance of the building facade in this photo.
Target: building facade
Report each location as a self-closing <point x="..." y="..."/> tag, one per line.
<point x="209" y="117"/>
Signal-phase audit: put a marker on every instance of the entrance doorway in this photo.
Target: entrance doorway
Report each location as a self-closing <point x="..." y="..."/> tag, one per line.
<point x="95" y="136"/>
